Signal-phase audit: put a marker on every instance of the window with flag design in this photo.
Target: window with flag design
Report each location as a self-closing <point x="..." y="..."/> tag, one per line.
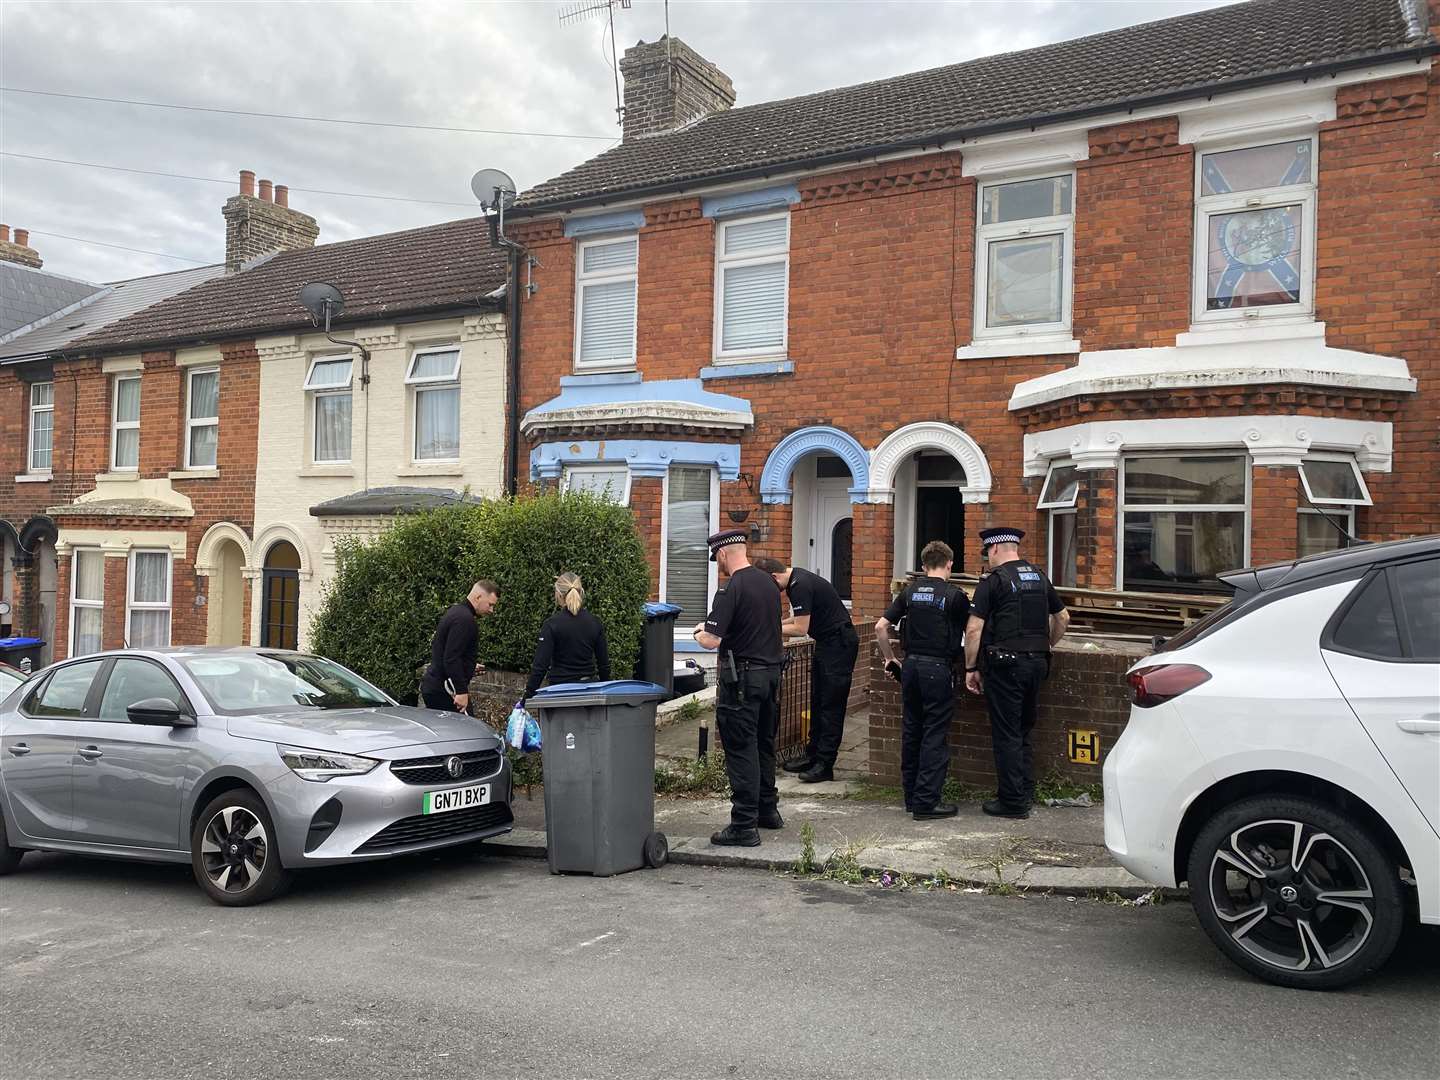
<point x="1255" y="224"/>
<point x="752" y="286"/>
<point x="605" y="296"/>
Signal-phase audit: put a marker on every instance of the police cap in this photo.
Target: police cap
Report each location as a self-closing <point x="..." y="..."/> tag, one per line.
<point x="725" y="539"/>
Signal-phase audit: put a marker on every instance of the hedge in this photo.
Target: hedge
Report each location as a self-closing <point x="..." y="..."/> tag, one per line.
<point x="377" y="615"/>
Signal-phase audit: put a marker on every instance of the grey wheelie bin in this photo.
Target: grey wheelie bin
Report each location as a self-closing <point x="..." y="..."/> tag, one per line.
<point x="598" y="742"/>
<point x="657" y="647"/>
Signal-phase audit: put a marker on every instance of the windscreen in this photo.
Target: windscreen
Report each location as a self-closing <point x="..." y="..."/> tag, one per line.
<point x="269" y="682"/>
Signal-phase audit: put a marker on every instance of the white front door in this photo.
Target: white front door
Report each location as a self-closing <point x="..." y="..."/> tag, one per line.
<point x="832" y="506"/>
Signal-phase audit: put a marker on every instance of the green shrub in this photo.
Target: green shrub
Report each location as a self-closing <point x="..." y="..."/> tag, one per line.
<point x="378" y="614"/>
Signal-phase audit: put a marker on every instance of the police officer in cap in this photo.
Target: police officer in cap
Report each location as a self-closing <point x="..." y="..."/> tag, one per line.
<point x="933" y="633"/>
<point x="744" y="624"/>
<point x="1017" y="618"/>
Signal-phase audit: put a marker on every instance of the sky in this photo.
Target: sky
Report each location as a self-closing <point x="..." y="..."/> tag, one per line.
<point x="508" y="67"/>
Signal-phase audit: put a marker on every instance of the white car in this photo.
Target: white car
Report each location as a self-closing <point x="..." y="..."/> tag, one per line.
<point x="1283" y="757"/>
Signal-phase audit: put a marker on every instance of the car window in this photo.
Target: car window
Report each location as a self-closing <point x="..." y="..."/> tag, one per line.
<point x="1418" y="586"/>
<point x="63" y="696"/>
<point x="1369" y="626"/>
<point x="133" y="680"/>
<point x="8" y="682"/>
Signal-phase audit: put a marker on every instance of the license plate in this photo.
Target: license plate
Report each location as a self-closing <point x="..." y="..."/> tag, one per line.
<point x="441" y="802"/>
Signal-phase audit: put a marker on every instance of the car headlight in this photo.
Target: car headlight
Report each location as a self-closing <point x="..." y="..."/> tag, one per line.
<point x="321" y="765"/>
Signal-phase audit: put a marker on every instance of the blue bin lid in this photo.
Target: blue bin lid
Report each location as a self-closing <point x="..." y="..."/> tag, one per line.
<point x="614" y="692"/>
<point x="20" y="642"/>
<point x="655" y="611"/>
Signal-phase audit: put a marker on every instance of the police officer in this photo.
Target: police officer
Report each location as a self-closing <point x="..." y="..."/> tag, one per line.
<point x="817" y="610"/>
<point x="933" y="635"/>
<point x="1016" y="620"/>
<point x="744" y="624"/>
<point x="454" y="649"/>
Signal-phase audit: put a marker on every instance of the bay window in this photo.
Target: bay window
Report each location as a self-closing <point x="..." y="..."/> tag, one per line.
<point x="1333" y="488"/>
<point x="610" y="482"/>
<point x="434" y="381"/>
<point x="202" y="418"/>
<point x="87" y="600"/>
<point x="1183" y="520"/>
<point x="752" y="284"/>
<point x="42" y="426"/>
<point x="328" y="383"/>
<point x="125" y="425"/>
<point x="1024" y="251"/>
<point x="605" y="303"/>
<point x="691" y="508"/>
<point x="1059" y="496"/>
<point x="147" y="612"/>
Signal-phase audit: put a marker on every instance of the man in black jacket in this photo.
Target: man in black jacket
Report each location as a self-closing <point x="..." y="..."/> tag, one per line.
<point x="446" y="683"/>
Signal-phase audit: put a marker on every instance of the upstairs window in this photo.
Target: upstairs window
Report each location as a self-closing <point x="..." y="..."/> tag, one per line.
<point x="605" y="298"/>
<point x="125" y="425"/>
<point x="752" y="285"/>
<point x="42" y="425"/>
<point x="434" y="381"/>
<point x="202" y="418"/>
<point x="328" y="384"/>
<point x="1255" y="231"/>
<point x="1024" y="252"/>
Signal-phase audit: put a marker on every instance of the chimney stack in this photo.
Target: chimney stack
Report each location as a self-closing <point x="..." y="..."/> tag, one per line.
<point x="19" y="249"/>
<point x="263" y="224"/>
<point x="667" y="85"/>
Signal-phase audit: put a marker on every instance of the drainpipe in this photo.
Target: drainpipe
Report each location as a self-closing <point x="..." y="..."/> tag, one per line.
<point x="513" y="288"/>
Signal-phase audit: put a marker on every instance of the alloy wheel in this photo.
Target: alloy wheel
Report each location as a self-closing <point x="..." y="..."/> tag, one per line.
<point x="233" y="849"/>
<point x="1291" y="895"/>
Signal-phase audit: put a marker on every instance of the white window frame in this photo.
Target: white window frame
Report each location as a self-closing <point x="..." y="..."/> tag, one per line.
<point x="36" y="410"/>
<point x="117" y="425"/>
<point x="192" y="423"/>
<point x="77" y="602"/>
<point x="765" y="257"/>
<point x="316" y="392"/>
<point x="683" y="633"/>
<point x="631" y="274"/>
<point x="1123" y="508"/>
<point x="1056" y="508"/>
<point x="1338" y="504"/>
<point x="1062" y="224"/>
<point x="572" y="471"/>
<point x="1258" y="199"/>
<point x="1345" y="514"/>
<point x="417" y="385"/>
<point x="132" y="605"/>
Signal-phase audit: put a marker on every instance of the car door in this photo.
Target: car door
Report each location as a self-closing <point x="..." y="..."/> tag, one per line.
<point x="1383" y="648"/>
<point x="129" y="779"/>
<point x="37" y="746"/>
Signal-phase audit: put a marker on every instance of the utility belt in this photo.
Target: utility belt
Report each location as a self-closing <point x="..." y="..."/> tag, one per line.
<point x="730" y="668"/>
<point x="998" y="656"/>
<point x="930" y="658"/>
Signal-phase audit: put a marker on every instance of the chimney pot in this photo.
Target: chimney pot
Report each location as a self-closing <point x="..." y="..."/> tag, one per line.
<point x="4" y="234"/>
<point x="266" y="191"/>
<point x="282" y="195"/>
<point x="22" y="237"/>
<point x="247" y="182"/>
<point x="667" y="85"/>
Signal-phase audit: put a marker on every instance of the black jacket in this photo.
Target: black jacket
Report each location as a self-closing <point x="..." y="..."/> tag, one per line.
<point x="453" y="652"/>
<point x="571" y="649"/>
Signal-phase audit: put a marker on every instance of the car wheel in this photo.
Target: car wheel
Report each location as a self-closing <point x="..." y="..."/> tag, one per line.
<point x="1295" y="893"/>
<point x="9" y="857"/>
<point x="234" y="853"/>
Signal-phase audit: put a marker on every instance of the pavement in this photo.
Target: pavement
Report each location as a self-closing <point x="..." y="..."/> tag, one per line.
<point x="466" y="965"/>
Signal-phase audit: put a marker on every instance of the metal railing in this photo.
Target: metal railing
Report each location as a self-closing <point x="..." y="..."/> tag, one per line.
<point x="794" y="721"/>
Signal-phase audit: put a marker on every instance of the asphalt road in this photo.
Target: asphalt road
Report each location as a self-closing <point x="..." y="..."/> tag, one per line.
<point x="480" y="966"/>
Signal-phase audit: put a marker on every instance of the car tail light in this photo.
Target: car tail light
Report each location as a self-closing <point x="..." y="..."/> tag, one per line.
<point x="1156" y="685"/>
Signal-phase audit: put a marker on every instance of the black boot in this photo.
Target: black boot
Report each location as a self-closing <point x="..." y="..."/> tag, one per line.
<point x="735" y="836"/>
<point x="996" y="808"/>
<point x="817" y="774"/>
<point x="800" y="764"/>
<point x="939" y="810"/>
<point x="772" y="820"/>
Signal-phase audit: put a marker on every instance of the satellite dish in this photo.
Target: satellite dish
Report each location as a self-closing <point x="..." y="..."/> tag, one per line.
<point x="323" y="301"/>
<point x="493" y="188"/>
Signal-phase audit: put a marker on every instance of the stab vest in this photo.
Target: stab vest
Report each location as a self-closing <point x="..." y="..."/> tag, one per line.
<point x="928" y="621"/>
<point x="1020" y="617"/>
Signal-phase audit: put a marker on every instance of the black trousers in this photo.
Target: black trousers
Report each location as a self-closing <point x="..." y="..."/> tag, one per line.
<point x="437" y="699"/>
<point x="1011" y="692"/>
<point x="927" y="688"/>
<point x="831" y="669"/>
<point x="746" y="713"/>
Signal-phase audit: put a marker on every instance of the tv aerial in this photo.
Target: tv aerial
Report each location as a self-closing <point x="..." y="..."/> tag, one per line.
<point x="588" y="9"/>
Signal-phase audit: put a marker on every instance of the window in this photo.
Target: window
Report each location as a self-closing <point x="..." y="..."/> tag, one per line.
<point x="42" y="425"/>
<point x="1182" y="520"/>
<point x="607" y="481"/>
<point x="692" y="497"/>
<point x="1417" y="587"/>
<point x="328" y="384"/>
<point x="1317" y="531"/>
<point x="134" y="680"/>
<point x="1255" y="231"/>
<point x="1333" y="488"/>
<point x="1368" y="626"/>
<point x="1059" y="495"/>
<point x="64" y="695"/>
<point x="147" y="614"/>
<point x="1023" y="257"/>
<point x="752" y="284"/>
<point x="87" y="600"/>
<point x="125" y="425"/>
<point x="434" y="379"/>
<point x="202" y="418"/>
<point x="605" y="292"/>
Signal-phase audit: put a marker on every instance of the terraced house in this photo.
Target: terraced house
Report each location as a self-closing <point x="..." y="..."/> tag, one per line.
<point x="210" y="448"/>
<point x="1164" y="296"/>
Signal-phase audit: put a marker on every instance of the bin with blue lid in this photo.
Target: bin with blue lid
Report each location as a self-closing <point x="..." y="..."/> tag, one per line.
<point x="21" y="652"/>
<point x="657" y="647"/>
<point x="598" y="740"/>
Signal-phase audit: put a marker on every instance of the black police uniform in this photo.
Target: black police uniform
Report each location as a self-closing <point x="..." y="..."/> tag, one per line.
<point x="933" y="634"/>
<point x="837" y="646"/>
<point x="453" y="653"/>
<point x="1016" y="601"/>
<point x="572" y="648"/>
<point x="745" y="616"/>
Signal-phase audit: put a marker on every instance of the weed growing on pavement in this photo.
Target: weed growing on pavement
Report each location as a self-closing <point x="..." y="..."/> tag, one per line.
<point x="806" y="863"/>
<point x="691" y="776"/>
<point x="689" y="711"/>
<point x="845" y="865"/>
<point x="995" y="863"/>
<point x="1055" y="786"/>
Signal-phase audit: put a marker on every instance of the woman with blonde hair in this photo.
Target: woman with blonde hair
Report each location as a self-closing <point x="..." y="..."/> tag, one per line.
<point x="572" y="641"/>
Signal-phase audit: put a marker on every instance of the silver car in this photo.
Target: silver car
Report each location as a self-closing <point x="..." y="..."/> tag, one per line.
<point x="247" y="763"/>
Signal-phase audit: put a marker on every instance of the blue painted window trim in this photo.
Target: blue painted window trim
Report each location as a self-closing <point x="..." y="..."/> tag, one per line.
<point x="775" y="478"/>
<point x="644" y="457"/>
<point x="750" y="202"/>
<point x="595" y="224"/>
<point x="748" y="371"/>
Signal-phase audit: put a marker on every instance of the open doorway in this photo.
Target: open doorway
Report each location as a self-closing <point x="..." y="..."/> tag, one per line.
<point x="929" y="505"/>
<point x="823" y="536"/>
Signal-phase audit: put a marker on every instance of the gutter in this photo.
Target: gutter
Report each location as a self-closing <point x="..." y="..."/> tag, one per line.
<point x="939" y="139"/>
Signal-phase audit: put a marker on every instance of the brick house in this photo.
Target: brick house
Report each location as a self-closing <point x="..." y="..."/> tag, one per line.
<point x="1171" y="318"/>
<point x="257" y="439"/>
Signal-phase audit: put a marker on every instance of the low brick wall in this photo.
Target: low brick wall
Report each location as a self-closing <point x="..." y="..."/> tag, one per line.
<point x="1086" y="691"/>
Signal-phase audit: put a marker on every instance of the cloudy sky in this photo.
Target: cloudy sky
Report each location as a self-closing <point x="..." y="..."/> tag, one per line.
<point x="505" y="67"/>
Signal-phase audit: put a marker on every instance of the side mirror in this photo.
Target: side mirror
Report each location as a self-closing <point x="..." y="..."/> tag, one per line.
<point x="159" y="712"/>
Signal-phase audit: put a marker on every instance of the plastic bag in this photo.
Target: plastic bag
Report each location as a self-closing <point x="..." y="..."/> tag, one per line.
<point x="521" y="730"/>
